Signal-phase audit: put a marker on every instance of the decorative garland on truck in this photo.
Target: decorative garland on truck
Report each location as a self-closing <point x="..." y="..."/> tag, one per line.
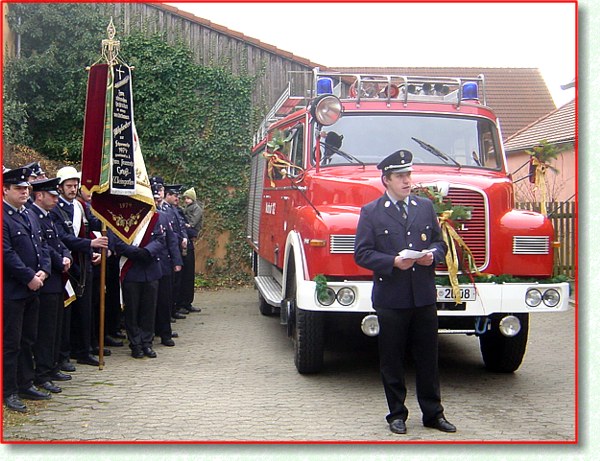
<point x="449" y="217"/>
<point x="277" y="159"/>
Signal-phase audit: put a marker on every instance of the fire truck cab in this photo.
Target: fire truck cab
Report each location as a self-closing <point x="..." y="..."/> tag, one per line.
<point x="314" y="167"/>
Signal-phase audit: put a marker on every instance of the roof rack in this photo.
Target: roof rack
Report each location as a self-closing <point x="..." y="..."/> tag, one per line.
<point x="359" y="87"/>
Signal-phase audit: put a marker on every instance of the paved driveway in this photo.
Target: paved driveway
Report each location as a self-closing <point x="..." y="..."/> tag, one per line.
<point x="231" y="378"/>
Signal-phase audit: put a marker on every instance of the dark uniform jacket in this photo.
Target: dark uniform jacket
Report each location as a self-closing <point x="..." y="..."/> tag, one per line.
<point x="56" y="249"/>
<point x="62" y="215"/>
<point x="381" y="235"/>
<point x="177" y="220"/>
<point x="23" y="252"/>
<point x="145" y="261"/>
<point x="170" y="255"/>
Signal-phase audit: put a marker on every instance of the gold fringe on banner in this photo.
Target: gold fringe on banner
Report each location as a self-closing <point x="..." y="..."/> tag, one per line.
<point x="452" y="239"/>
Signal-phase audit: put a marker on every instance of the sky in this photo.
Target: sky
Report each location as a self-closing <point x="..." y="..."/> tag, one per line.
<point x="538" y="35"/>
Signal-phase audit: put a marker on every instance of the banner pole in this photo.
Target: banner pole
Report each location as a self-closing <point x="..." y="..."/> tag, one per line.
<point x="102" y="301"/>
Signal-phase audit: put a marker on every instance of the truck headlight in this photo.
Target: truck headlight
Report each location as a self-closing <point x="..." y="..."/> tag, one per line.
<point x="326" y="297"/>
<point x="346" y="296"/>
<point x="533" y="297"/>
<point x="326" y="109"/>
<point x="551" y="297"/>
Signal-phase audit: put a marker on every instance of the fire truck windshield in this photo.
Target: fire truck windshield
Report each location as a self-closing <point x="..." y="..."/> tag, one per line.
<point x="367" y="138"/>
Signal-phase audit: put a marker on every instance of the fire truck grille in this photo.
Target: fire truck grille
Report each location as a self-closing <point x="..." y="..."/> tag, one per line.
<point x="341" y="244"/>
<point x="472" y="231"/>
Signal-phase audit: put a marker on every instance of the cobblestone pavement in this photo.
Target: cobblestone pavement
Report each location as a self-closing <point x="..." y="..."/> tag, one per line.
<point x="231" y="377"/>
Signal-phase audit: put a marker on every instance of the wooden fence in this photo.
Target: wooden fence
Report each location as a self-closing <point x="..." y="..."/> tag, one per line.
<point x="564" y="219"/>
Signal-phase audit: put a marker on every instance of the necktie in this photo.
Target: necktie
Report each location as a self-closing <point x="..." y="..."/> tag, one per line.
<point x="401" y="205"/>
<point x="24" y="219"/>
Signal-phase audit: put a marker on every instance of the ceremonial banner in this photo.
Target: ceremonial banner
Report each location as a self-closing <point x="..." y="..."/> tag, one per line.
<point x="112" y="166"/>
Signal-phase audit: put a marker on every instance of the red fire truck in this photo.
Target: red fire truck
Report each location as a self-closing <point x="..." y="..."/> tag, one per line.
<point x="314" y="167"/>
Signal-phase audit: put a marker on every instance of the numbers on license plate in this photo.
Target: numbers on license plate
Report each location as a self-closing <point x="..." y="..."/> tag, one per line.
<point x="445" y="294"/>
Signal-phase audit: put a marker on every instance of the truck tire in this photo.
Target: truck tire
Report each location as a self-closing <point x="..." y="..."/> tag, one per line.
<point x="264" y="307"/>
<point x="500" y="353"/>
<point x="308" y="341"/>
<point x="307" y="334"/>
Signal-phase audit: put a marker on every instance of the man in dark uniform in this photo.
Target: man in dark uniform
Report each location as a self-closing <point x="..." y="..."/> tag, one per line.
<point x="139" y="278"/>
<point x="170" y="262"/>
<point x="71" y="223"/>
<point x="170" y="205"/>
<point x="26" y="265"/>
<point x="52" y="303"/>
<point x="404" y="294"/>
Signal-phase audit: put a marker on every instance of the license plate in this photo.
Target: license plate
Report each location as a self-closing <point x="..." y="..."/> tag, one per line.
<point x="444" y="294"/>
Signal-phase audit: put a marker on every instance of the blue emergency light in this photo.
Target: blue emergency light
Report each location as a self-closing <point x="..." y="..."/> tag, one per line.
<point x="324" y="86"/>
<point x="469" y="91"/>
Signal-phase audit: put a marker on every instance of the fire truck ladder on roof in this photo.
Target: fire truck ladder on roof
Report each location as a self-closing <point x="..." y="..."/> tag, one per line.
<point x="285" y="105"/>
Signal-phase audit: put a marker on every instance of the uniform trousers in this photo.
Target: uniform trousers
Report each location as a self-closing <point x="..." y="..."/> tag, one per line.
<point x="140" y="311"/>
<point x="113" y="313"/>
<point x="81" y="322"/>
<point x="47" y="346"/>
<point x="164" y="307"/>
<point x="20" y="319"/>
<point x="185" y="295"/>
<point x="401" y="330"/>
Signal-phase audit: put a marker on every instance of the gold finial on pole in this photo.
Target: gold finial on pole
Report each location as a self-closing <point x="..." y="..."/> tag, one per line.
<point x="110" y="46"/>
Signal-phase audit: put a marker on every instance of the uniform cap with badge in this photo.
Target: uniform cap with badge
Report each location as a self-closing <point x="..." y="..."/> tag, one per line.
<point x="36" y="169"/>
<point x="157" y="180"/>
<point x="173" y="188"/>
<point x="46" y="185"/>
<point x="18" y="176"/>
<point x="397" y="162"/>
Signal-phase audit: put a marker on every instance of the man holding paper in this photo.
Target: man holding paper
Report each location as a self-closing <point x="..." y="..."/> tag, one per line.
<point x="398" y="237"/>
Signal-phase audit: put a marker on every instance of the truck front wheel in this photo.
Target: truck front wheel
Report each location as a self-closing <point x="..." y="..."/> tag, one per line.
<point x="500" y="353"/>
<point x="308" y="341"/>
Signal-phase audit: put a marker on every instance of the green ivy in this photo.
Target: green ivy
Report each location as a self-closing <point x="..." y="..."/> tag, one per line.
<point x="194" y="122"/>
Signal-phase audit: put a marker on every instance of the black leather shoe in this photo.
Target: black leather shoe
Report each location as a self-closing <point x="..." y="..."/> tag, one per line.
<point x="191" y="308"/>
<point x="167" y="342"/>
<point x="88" y="360"/>
<point x="441" y="424"/>
<point x="398" y="426"/>
<point x="112" y="342"/>
<point x="119" y="335"/>
<point x="50" y="387"/>
<point x="137" y="353"/>
<point x="148" y="352"/>
<point x="67" y="366"/>
<point x="13" y="402"/>
<point x="174" y="334"/>
<point x="96" y="351"/>
<point x="179" y="316"/>
<point x="33" y="393"/>
<point x="59" y="376"/>
<point x="173" y="320"/>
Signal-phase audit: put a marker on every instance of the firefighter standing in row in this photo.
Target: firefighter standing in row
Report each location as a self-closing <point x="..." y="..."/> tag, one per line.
<point x="26" y="267"/>
<point x="404" y="294"/>
<point x="72" y="224"/>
